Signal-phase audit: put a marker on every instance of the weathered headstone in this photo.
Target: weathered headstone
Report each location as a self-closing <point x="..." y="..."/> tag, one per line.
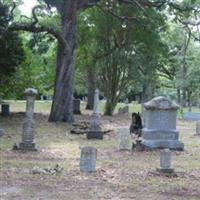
<point x="165" y="161"/>
<point x="27" y="143"/>
<point x="191" y="116"/>
<point x="88" y="159"/>
<point x="124" y="110"/>
<point x="77" y="106"/>
<point x="160" y="125"/>
<point x="95" y="131"/>
<point x="5" y="109"/>
<point x="123" y="138"/>
<point x="1" y="131"/>
<point x="198" y="128"/>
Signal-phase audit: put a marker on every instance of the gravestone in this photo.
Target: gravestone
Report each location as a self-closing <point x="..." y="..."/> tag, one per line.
<point x="191" y="116"/>
<point x="1" y="131"/>
<point x="27" y="143"/>
<point x="198" y="128"/>
<point x="5" y="109"/>
<point x="88" y="159"/>
<point x="76" y="104"/>
<point x="165" y="161"/>
<point x="123" y="138"/>
<point x="95" y="131"/>
<point x="160" y="125"/>
<point x="124" y="110"/>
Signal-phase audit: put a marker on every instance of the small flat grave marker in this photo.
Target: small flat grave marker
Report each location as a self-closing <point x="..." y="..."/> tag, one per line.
<point x="88" y="159"/>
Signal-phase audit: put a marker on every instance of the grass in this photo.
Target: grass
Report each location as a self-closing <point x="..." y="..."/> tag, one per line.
<point x="120" y="175"/>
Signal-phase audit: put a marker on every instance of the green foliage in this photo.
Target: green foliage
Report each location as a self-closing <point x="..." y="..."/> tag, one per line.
<point x="124" y="54"/>
<point x="11" y="51"/>
<point x="37" y="70"/>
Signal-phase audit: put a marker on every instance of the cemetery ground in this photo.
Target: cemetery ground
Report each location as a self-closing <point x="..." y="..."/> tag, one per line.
<point x="119" y="175"/>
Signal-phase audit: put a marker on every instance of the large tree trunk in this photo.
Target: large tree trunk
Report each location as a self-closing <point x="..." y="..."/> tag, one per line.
<point x="109" y="108"/>
<point x="91" y="88"/>
<point x="62" y="107"/>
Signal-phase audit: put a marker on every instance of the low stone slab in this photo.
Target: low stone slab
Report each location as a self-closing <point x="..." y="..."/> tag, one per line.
<point x="92" y="134"/>
<point x="88" y="159"/>
<point x="191" y="116"/>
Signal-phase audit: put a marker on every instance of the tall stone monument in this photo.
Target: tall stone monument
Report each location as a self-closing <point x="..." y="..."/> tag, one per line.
<point x="95" y="131"/>
<point x="160" y="124"/>
<point x="27" y="143"/>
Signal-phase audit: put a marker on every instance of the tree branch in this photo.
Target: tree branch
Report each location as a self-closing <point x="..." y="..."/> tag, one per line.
<point x="36" y="28"/>
<point x="84" y="4"/>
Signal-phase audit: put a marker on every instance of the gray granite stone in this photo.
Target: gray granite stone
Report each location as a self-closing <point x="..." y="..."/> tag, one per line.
<point x="123" y="138"/>
<point x="1" y="131"/>
<point x="88" y="159"/>
<point x="160" y="125"/>
<point x="191" y="116"/>
<point x="198" y="128"/>
<point x="124" y="110"/>
<point x="95" y="131"/>
<point x="5" y="109"/>
<point x="165" y="161"/>
<point x="76" y="107"/>
<point x="27" y="143"/>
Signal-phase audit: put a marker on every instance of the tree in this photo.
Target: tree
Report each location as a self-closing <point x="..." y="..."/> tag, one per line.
<point x="11" y="51"/>
<point x="68" y="10"/>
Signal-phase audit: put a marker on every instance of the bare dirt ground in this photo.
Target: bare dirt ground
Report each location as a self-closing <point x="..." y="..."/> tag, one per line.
<point x="119" y="175"/>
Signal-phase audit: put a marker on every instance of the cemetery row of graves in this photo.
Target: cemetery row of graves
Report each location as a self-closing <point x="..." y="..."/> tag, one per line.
<point x="97" y="157"/>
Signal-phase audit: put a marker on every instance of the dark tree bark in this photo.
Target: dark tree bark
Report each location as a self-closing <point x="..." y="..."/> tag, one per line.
<point x="62" y="106"/>
<point x="178" y="95"/>
<point x="91" y="81"/>
<point x="110" y="107"/>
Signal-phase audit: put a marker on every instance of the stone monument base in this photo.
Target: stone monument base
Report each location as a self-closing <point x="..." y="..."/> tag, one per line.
<point x="166" y="171"/>
<point x="95" y="135"/>
<point x="163" y="144"/>
<point x="27" y="147"/>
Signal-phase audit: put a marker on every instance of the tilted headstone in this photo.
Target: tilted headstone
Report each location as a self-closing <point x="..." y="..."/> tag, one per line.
<point x="5" y="109"/>
<point x="191" y="116"/>
<point x="124" y="138"/>
<point x="160" y="125"/>
<point x="1" y="131"/>
<point x="76" y="105"/>
<point x="198" y="128"/>
<point x="27" y="143"/>
<point x="88" y="159"/>
<point x="165" y="161"/>
<point x="124" y="110"/>
<point x="95" y="131"/>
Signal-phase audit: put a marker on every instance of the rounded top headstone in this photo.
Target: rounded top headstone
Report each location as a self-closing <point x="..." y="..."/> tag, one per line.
<point x="31" y="92"/>
<point x="161" y="103"/>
